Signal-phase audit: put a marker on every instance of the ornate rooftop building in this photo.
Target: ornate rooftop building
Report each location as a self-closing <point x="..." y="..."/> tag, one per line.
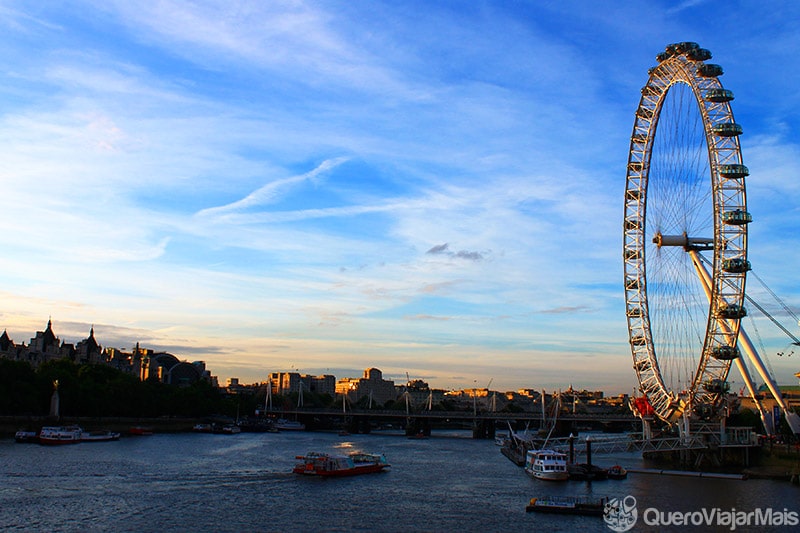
<point x="145" y="364"/>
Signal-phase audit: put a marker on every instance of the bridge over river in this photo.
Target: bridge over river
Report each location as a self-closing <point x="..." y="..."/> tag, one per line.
<point x="483" y="423"/>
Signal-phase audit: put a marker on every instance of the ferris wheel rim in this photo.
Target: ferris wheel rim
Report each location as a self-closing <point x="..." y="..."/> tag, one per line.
<point x="684" y="63"/>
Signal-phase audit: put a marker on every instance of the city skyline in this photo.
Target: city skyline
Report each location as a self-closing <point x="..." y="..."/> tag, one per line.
<point x="425" y="187"/>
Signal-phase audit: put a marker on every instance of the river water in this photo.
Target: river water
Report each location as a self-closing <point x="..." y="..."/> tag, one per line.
<point x="204" y="482"/>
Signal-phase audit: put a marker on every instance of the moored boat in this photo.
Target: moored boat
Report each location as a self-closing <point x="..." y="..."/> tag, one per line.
<point x="140" y="431"/>
<point x="617" y="472"/>
<point x="547" y="465"/>
<point x="26" y="436"/>
<point x="567" y="505"/>
<point x="99" y="436"/>
<point x="323" y="464"/>
<point x="60" y="435"/>
<point x="289" y="425"/>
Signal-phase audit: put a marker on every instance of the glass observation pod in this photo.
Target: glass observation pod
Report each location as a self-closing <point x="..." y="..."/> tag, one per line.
<point x="632" y="284"/>
<point x="737" y="217"/>
<point x="698" y="54"/>
<point x="717" y="386"/>
<point x="649" y="90"/>
<point x="727" y="129"/>
<point x="709" y="70"/>
<point x="736" y="265"/>
<point x="704" y="410"/>
<point x="718" y="95"/>
<point x="682" y="47"/>
<point x="734" y="171"/>
<point x="638" y="340"/>
<point x="633" y="194"/>
<point x="731" y="311"/>
<point x="632" y="254"/>
<point x="663" y="56"/>
<point x="632" y="223"/>
<point x="725" y="352"/>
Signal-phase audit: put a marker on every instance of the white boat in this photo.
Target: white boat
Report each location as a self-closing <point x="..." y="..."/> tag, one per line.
<point x="99" y="436"/>
<point x="289" y="425"/>
<point x="547" y="464"/>
<point x="26" y="436"/>
<point x="60" y="435"/>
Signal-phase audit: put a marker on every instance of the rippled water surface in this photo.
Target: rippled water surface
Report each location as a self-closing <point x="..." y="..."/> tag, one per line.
<point x="185" y="482"/>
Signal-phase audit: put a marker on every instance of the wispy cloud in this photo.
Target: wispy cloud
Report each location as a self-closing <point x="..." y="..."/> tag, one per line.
<point x="269" y="192"/>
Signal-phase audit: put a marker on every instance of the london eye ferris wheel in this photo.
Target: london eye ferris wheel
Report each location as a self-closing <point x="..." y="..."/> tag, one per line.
<point x="685" y="235"/>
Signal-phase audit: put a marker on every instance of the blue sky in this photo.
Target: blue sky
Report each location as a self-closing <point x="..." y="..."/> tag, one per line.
<point x="423" y="187"/>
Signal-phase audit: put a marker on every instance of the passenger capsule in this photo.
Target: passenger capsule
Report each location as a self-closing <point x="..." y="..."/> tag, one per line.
<point x="732" y="311"/>
<point x="672" y="49"/>
<point x="632" y="284"/>
<point x="727" y="129"/>
<point x="709" y="70"/>
<point x="716" y="386"/>
<point x="632" y="224"/>
<point x="698" y="54"/>
<point x="725" y="352"/>
<point x="737" y="217"/>
<point x="704" y="410"/>
<point x="663" y="56"/>
<point x="736" y="265"/>
<point x="649" y="90"/>
<point x="718" y="95"/>
<point x="735" y="171"/>
<point x="638" y="340"/>
<point x="633" y="194"/>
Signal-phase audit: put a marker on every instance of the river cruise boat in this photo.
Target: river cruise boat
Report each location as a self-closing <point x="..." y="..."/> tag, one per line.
<point x="323" y="464"/>
<point x="60" y="435"/>
<point x="567" y="505"/>
<point x="546" y="464"/>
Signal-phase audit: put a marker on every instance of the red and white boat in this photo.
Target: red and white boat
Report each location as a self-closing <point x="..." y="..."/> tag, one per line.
<point x="60" y="435"/>
<point x="323" y="464"/>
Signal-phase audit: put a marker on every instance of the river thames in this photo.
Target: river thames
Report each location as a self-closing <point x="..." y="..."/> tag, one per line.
<point x="449" y="482"/>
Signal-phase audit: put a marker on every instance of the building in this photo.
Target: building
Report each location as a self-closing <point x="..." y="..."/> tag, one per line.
<point x="166" y="368"/>
<point x="145" y="364"/>
<point x="284" y="383"/>
<point x="790" y="394"/>
<point x="46" y="346"/>
<point x="371" y="385"/>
